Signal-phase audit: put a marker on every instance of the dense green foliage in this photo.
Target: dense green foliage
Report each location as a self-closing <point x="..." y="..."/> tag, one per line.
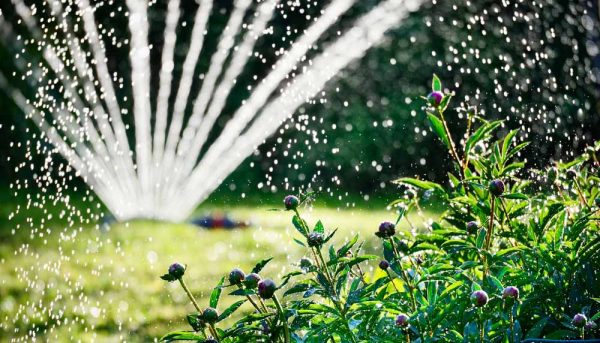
<point x="514" y="255"/>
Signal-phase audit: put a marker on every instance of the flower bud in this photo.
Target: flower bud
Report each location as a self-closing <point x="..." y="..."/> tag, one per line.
<point x="579" y="320"/>
<point x="435" y="98"/>
<point x="384" y="264"/>
<point x="315" y="239"/>
<point x="236" y="276"/>
<point x="571" y="174"/>
<point x="210" y="315"/>
<point x="496" y="187"/>
<point x="176" y="270"/>
<point x="511" y="292"/>
<point x="591" y="326"/>
<point x="386" y="230"/>
<point x="479" y="298"/>
<point x="402" y="320"/>
<point x="266" y="288"/>
<point x="472" y="227"/>
<point x="252" y="280"/>
<point x="291" y="202"/>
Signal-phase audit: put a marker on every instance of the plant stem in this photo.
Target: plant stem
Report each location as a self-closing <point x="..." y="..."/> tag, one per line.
<point x="407" y="336"/>
<point x="392" y="281"/>
<point x="286" y="329"/>
<point x="251" y="301"/>
<point x="211" y="327"/>
<point x="488" y="238"/>
<point x="189" y="294"/>
<point x="452" y="146"/>
<point x="481" y="326"/>
<point x="581" y="195"/>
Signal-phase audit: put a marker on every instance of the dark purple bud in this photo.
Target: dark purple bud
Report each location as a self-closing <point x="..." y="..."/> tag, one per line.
<point x="176" y="270"/>
<point x="435" y="98"/>
<point x="252" y="280"/>
<point x="291" y="202"/>
<point x="210" y="315"/>
<point x="236" y="276"/>
<point x="591" y="326"/>
<point x="479" y="298"/>
<point x="384" y="264"/>
<point x="315" y="239"/>
<point x="496" y="187"/>
<point x="472" y="227"/>
<point x="571" y="174"/>
<point x="579" y="320"/>
<point x="402" y="320"/>
<point x="386" y="230"/>
<point x="511" y="292"/>
<point x="266" y="288"/>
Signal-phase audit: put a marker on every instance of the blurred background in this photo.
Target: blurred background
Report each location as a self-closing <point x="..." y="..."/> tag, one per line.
<point x="535" y="65"/>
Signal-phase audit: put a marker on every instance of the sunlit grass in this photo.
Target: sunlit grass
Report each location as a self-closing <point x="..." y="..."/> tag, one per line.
<point x="107" y="281"/>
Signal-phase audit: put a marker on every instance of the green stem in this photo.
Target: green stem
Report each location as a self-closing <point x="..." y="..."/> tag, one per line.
<point x="211" y="327"/>
<point x="481" y="326"/>
<point x="284" y="322"/>
<point x="189" y="294"/>
<point x="488" y="238"/>
<point x="452" y="146"/>
<point x="392" y="281"/>
<point x="581" y="195"/>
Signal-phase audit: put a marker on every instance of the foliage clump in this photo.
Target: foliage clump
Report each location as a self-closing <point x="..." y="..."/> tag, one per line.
<point x="514" y="255"/>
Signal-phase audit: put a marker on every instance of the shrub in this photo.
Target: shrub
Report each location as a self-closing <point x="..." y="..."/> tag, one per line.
<point x="513" y="255"/>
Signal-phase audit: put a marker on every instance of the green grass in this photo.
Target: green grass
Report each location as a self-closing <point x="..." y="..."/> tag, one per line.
<point x="104" y="285"/>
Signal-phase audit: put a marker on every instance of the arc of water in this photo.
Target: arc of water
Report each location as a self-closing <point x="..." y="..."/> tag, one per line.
<point x="262" y="92"/>
<point x="368" y="30"/>
<point x="140" y="77"/>
<point x="185" y="85"/>
<point x="55" y="139"/>
<point x="235" y="67"/>
<point x="232" y="29"/>
<point x="266" y="88"/>
<point x="164" y="92"/>
<point x="110" y="97"/>
<point x="125" y="180"/>
<point x="240" y="56"/>
<point x="58" y="67"/>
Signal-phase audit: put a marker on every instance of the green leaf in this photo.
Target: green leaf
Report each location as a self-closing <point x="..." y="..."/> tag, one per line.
<point x="319" y="227"/>
<point x="436" y="84"/>
<point x="299" y="224"/>
<point x="194" y="321"/>
<point x="216" y="294"/>
<point x="450" y="288"/>
<point x="168" y="277"/>
<point x="480" y="238"/>
<point x="243" y="292"/>
<point x="426" y="185"/>
<point x="228" y="311"/>
<point x="260" y="265"/>
<point x="182" y="336"/>
<point x="438" y="128"/>
<point x="516" y="196"/>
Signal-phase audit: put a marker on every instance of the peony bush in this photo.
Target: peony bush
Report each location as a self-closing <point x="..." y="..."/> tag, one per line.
<point x="514" y="255"/>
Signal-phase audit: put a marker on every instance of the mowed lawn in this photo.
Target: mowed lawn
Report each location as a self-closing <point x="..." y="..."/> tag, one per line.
<point x="104" y="285"/>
